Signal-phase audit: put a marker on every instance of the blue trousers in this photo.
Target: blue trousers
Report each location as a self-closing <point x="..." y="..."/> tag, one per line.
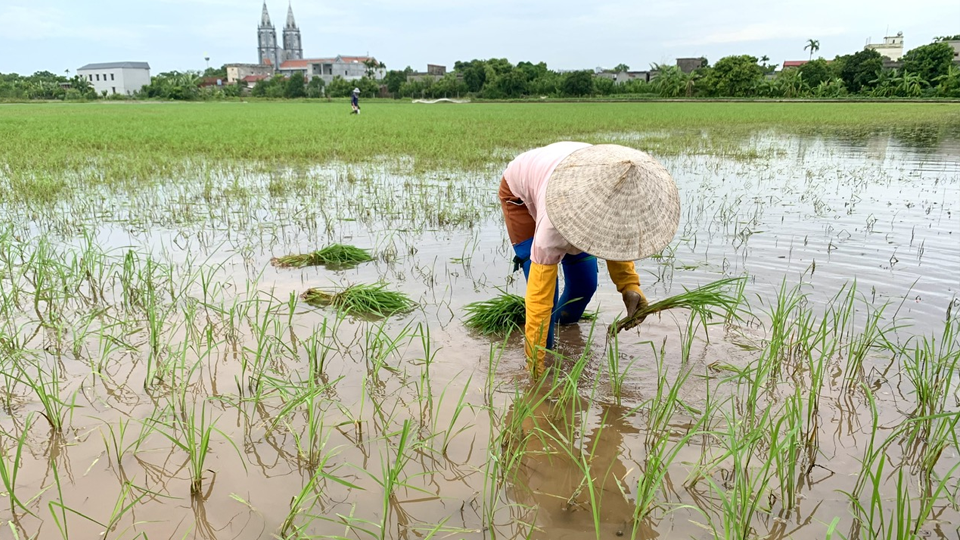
<point x="580" y="283"/>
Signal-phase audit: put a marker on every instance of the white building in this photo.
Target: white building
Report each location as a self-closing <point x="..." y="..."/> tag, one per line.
<point x="116" y="77"/>
<point x="892" y="47"/>
<point x="955" y="44"/>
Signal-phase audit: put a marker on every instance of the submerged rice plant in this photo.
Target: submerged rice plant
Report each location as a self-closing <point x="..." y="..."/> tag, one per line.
<point x="336" y="256"/>
<point x="362" y="299"/>
<point x="702" y="301"/>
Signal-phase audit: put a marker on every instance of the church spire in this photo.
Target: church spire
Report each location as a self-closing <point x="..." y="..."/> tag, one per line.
<point x="291" y="22"/>
<point x="265" y="18"/>
<point x="267" y="50"/>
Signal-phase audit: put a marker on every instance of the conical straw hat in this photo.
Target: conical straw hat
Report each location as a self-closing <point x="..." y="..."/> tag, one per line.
<point x="614" y="202"/>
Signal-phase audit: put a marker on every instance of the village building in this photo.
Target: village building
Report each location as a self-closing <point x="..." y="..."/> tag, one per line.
<point x="620" y="77"/>
<point x="434" y="72"/>
<point x="891" y="48"/>
<point x="346" y="67"/>
<point x="689" y="65"/>
<point x="124" y="78"/>
<point x="240" y="72"/>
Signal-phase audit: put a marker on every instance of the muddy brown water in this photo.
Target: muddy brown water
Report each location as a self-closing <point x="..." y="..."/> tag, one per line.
<point x="819" y="212"/>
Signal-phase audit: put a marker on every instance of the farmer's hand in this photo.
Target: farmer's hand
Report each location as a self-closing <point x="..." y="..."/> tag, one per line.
<point x="633" y="301"/>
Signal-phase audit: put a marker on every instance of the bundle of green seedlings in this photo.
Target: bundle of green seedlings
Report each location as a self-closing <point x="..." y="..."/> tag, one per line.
<point x="502" y="314"/>
<point x="711" y="299"/>
<point x="336" y="255"/>
<point x="361" y="299"/>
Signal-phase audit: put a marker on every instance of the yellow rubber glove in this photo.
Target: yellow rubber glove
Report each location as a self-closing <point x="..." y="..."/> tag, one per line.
<point x="541" y="286"/>
<point x="624" y="276"/>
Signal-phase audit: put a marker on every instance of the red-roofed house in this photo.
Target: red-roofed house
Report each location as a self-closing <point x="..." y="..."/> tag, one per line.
<point x="793" y="63"/>
<point x="252" y="80"/>
<point x="347" y="67"/>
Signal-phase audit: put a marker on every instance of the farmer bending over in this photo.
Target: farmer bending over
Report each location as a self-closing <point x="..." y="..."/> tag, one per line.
<point x="567" y="204"/>
<point x="355" y="101"/>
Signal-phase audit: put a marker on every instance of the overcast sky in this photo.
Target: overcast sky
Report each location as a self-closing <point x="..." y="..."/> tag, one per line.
<point x="57" y="35"/>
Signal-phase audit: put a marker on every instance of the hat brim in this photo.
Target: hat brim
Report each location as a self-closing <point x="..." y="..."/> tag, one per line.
<point x="614" y="202"/>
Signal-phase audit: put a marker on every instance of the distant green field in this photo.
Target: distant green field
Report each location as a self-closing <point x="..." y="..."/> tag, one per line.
<point x="190" y="327"/>
<point x="133" y="140"/>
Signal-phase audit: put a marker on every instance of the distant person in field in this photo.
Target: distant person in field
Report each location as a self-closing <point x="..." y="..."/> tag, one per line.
<point x="355" y="101"/>
<point x="569" y="203"/>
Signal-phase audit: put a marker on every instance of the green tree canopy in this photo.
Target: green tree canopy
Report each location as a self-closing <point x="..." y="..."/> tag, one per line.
<point x="577" y="83"/>
<point x="735" y="76"/>
<point x="533" y="71"/>
<point x="512" y="84"/>
<point x="929" y="61"/>
<point x="315" y="87"/>
<point x="295" y="86"/>
<point x="394" y="79"/>
<point x="474" y="73"/>
<point x="859" y="69"/>
<point x="816" y="72"/>
<point x="339" y="87"/>
<point x="220" y="72"/>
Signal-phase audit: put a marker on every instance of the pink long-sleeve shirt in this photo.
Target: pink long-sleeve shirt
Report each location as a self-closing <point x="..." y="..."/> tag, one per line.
<point x="527" y="177"/>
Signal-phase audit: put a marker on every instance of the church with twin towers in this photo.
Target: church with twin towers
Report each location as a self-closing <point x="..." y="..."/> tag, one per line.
<point x="274" y="59"/>
<point x="269" y="50"/>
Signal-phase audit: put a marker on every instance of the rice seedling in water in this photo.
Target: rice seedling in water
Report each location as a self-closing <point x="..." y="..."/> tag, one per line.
<point x="9" y="470"/>
<point x="702" y="301"/>
<point x="47" y="388"/>
<point x="126" y="500"/>
<point x="616" y="374"/>
<point x="362" y="299"/>
<point x="303" y="502"/>
<point x="192" y="434"/>
<point x="335" y="256"/>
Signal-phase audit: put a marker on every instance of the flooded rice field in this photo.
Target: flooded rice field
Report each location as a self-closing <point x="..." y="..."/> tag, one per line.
<point x="161" y="379"/>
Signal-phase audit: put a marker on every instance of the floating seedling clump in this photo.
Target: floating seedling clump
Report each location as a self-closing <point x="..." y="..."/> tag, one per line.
<point x="711" y="299"/>
<point x="335" y="256"/>
<point x="502" y="314"/>
<point x="361" y="299"/>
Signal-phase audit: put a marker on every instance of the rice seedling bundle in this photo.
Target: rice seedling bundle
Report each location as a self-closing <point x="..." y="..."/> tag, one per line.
<point x="335" y="256"/>
<point x="711" y="299"/>
<point x="499" y="315"/>
<point x="502" y="314"/>
<point x="361" y="299"/>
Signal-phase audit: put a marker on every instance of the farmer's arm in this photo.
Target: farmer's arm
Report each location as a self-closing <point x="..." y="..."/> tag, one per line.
<point x="624" y="276"/>
<point x="541" y="286"/>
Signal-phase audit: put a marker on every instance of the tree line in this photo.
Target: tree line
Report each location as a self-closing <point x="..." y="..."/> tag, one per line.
<point x="925" y="71"/>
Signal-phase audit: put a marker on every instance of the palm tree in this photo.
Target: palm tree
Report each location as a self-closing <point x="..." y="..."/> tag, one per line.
<point x="670" y="81"/>
<point x="813" y="45"/>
